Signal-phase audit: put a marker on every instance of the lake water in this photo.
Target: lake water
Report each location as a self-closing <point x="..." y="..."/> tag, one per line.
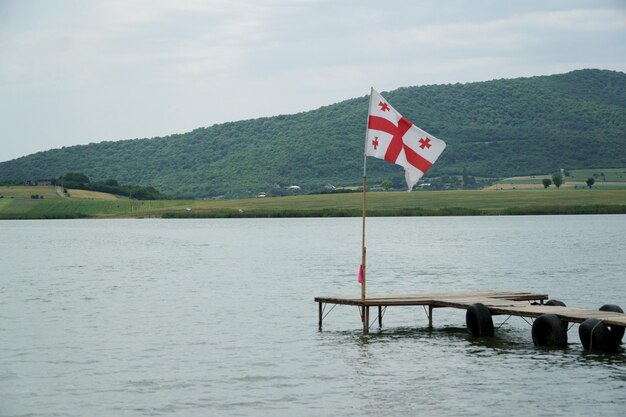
<point x="216" y="317"/>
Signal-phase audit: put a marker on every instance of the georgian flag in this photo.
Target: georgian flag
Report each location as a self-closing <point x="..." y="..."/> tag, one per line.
<point x="395" y="139"/>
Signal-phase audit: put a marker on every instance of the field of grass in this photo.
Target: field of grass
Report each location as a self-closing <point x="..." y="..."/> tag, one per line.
<point x="605" y="178"/>
<point x="417" y="203"/>
<point x="25" y="191"/>
<point x="481" y="202"/>
<point x="83" y="208"/>
<point x="94" y="195"/>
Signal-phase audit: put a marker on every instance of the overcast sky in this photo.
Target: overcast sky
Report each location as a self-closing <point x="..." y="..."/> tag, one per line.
<point x="75" y="72"/>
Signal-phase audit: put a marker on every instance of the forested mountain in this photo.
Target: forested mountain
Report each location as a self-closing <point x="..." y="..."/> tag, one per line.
<point x="496" y="128"/>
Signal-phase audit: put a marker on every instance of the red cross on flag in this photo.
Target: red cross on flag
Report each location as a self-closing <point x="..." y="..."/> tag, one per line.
<point x="395" y="139"/>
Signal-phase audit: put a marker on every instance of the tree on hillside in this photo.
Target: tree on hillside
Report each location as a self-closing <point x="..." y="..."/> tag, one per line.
<point x="77" y="177"/>
<point x="590" y="181"/>
<point x="386" y="185"/>
<point x="557" y="179"/>
<point x="468" y="181"/>
<point x="546" y="182"/>
<point x="74" y="180"/>
<point x="398" y="182"/>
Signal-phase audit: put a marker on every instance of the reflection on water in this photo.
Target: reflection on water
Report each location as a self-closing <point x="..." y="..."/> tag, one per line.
<point x="197" y="317"/>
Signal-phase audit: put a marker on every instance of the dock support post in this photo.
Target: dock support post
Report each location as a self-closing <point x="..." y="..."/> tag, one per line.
<point x="380" y="317"/>
<point x="430" y="316"/>
<point x="366" y="319"/>
<point x="320" y="315"/>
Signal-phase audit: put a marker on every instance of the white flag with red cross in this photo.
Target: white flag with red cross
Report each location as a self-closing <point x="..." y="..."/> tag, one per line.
<point x="395" y="139"/>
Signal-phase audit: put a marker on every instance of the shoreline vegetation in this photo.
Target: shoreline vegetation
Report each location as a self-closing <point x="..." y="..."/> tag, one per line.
<point x="416" y="212"/>
<point x="20" y="203"/>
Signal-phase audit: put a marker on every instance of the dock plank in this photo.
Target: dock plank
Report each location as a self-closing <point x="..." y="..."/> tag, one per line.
<point x="513" y="303"/>
<point x="432" y="298"/>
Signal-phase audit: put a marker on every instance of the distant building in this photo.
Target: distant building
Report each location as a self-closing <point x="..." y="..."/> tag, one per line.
<point x="44" y="182"/>
<point x="294" y="188"/>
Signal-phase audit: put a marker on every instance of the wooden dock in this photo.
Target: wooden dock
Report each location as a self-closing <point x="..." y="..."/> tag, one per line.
<point x="500" y="299"/>
<point x="522" y="304"/>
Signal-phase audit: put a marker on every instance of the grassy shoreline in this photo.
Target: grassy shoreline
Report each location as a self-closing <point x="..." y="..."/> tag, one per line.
<point x="432" y="203"/>
<point x="446" y="211"/>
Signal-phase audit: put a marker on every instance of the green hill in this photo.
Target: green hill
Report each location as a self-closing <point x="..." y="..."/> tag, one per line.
<point x="499" y="128"/>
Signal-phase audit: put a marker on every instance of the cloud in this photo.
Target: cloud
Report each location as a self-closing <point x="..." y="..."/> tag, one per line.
<point x="169" y="42"/>
<point x="107" y="38"/>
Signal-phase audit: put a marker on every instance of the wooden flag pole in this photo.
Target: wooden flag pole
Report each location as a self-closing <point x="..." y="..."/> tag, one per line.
<point x="363" y="249"/>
